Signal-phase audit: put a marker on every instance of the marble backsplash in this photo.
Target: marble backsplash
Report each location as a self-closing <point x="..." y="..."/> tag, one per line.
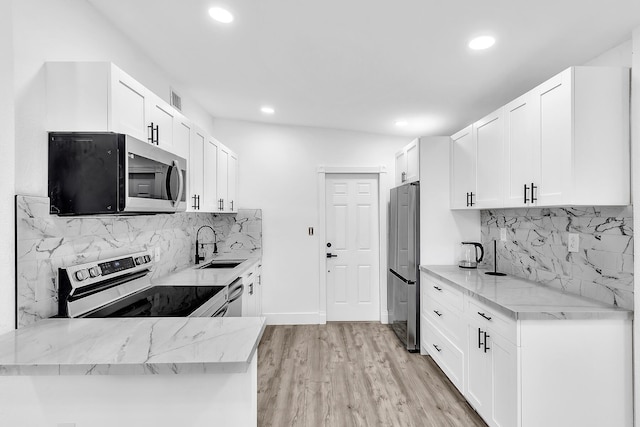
<point x="47" y="242"/>
<point x="536" y="249"/>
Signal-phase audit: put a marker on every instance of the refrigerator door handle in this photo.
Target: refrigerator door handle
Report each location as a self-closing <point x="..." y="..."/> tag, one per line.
<point x="409" y="282"/>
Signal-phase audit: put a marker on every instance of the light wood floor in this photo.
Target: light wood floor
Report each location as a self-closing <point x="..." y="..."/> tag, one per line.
<point x="352" y="374"/>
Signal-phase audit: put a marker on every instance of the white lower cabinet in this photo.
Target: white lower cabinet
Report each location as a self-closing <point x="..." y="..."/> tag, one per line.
<point x="492" y="364"/>
<point x="252" y="296"/>
<point x="446" y="354"/>
<point x="546" y="372"/>
<point x="442" y="327"/>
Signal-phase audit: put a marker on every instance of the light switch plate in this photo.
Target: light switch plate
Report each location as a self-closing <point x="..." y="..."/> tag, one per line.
<point x="573" y="242"/>
<point x="157" y="257"/>
<point x="503" y="234"/>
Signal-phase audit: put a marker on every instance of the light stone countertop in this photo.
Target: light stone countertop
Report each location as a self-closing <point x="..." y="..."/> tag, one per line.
<point x="196" y="276"/>
<point x="523" y="299"/>
<point x="125" y="346"/>
<point x="130" y="346"/>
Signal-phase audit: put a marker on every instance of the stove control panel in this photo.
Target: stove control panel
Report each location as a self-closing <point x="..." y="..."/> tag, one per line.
<point x="94" y="272"/>
<point x="116" y="265"/>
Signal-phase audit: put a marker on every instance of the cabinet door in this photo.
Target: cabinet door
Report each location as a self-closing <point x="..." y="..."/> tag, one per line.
<point x="128" y="105"/>
<point x="463" y="168"/>
<point x="249" y="298"/>
<point x="259" y="293"/>
<point x="401" y="167"/>
<point x="161" y="117"/>
<point x="182" y="137"/>
<point x="553" y="138"/>
<point x="223" y="178"/>
<point x="504" y="367"/>
<point x="413" y="161"/>
<point x="196" y="171"/>
<point x="522" y="159"/>
<point x="478" y="383"/>
<point x="489" y="140"/>
<point x="232" y="184"/>
<point x="210" y="182"/>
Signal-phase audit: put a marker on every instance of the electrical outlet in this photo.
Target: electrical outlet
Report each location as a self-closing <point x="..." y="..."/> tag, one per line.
<point x="503" y="234"/>
<point x="157" y="257"/>
<point x="573" y="242"/>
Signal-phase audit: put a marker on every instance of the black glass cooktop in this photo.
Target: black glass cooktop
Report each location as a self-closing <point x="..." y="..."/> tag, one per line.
<point x="160" y="301"/>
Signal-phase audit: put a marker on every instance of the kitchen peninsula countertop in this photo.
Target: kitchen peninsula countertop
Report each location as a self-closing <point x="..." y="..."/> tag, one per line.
<point x="523" y="299"/>
<point x="130" y="346"/>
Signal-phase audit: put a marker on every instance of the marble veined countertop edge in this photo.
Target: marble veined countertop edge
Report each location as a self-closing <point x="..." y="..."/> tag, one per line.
<point x="132" y="346"/>
<point x="523" y="299"/>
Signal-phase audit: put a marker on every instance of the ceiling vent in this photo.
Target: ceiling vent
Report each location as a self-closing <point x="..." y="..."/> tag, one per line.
<point x="176" y="100"/>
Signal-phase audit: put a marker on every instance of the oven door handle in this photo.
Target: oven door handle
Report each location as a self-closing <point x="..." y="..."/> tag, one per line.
<point x="236" y="294"/>
<point x="221" y="311"/>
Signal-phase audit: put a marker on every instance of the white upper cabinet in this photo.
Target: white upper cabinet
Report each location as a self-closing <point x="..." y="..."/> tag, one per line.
<point x="195" y="196"/>
<point x="552" y="138"/>
<point x="161" y="121"/>
<point x="100" y="97"/>
<point x="127" y="100"/>
<point x="227" y="179"/>
<point x="232" y="182"/>
<point x="223" y="175"/>
<point x="182" y="130"/>
<point x="564" y="143"/>
<point x="463" y="169"/>
<point x="489" y="140"/>
<point x="522" y="158"/>
<point x="583" y="137"/>
<point x="210" y="202"/>
<point x="408" y="163"/>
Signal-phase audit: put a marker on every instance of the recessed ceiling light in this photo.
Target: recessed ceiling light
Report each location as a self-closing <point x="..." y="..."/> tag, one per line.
<point x="482" y="42"/>
<point x="221" y="15"/>
<point x="401" y="123"/>
<point x="267" y="110"/>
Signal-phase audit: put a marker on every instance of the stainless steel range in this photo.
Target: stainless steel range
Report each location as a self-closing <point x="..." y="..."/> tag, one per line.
<point x="120" y="287"/>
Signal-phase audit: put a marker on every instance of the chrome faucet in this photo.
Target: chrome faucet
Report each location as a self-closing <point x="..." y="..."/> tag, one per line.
<point x="215" y="243"/>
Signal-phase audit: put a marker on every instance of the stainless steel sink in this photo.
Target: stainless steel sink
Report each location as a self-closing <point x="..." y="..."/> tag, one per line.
<point x="224" y="263"/>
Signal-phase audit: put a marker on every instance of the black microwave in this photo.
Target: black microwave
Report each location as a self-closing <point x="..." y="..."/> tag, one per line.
<point x="111" y="173"/>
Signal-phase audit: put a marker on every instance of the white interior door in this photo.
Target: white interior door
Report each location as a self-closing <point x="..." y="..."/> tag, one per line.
<point x="352" y="231"/>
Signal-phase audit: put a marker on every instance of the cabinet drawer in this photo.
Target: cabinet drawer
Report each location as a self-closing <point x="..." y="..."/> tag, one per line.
<point x="490" y="318"/>
<point x="442" y="292"/>
<point x="446" y="355"/>
<point x="448" y="320"/>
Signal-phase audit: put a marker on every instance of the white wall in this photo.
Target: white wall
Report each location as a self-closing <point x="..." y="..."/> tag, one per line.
<point x="441" y="229"/>
<point x="635" y="195"/>
<point x="7" y="172"/>
<point x="278" y="172"/>
<point x="68" y="30"/>
<point x="618" y="56"/>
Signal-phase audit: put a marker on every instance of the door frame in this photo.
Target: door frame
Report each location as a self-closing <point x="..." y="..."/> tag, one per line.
<point x="381" y="171"/>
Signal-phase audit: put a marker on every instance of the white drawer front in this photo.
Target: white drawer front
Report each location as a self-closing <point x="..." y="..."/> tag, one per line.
<point x="490" y="318"/>
<point x="450" y="321"/>
<point x="446" y="355"/>
<point x="442" y="292"/>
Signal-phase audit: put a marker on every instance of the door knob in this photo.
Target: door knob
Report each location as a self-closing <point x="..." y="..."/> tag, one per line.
<point x="331" y="255"/>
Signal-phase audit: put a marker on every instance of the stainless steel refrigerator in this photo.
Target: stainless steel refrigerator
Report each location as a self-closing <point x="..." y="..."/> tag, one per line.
<point x="403" y="278"/>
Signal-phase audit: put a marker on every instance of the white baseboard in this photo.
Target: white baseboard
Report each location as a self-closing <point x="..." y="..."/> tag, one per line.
<point x="384" y="318"/>
<point x="295" y="318"/>
<point x="306" y="318"/>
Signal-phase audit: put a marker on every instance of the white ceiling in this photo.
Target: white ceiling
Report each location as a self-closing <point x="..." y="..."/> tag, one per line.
<point x="363" y="64"/>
